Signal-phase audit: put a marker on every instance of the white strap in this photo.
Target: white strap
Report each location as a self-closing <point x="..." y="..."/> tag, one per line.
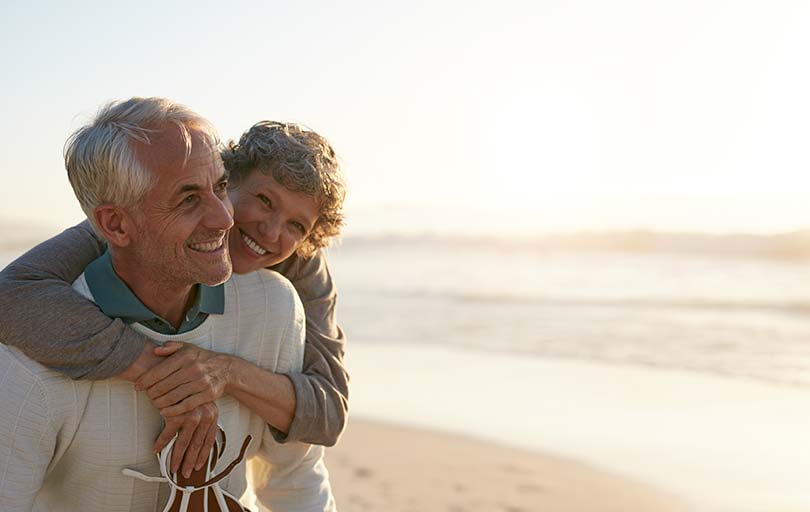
<point x="141" y="476"/>
<point x="220" y="498"/>
<point x="184" y="501"/>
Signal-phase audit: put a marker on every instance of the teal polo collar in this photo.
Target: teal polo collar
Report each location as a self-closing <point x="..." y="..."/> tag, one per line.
<point x="116" y="300"/>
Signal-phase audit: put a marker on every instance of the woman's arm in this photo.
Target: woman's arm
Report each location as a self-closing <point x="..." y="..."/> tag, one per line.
<point x="322" y="389"/>
<point x="41" y="315"/>
<point x="309" y="407"/>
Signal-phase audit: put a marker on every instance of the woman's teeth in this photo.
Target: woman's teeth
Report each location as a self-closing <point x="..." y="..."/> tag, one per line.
<point x="258" y="249"/>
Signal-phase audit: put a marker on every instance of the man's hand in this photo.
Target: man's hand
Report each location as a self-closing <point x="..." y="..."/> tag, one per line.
<point x="188" y="378"/>
<point x="197" y="427"/>
<point x="198" y="430"/>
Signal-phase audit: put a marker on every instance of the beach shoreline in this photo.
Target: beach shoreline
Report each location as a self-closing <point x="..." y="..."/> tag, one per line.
<point x="718" y="444"/>
<point x="379" y="466"/>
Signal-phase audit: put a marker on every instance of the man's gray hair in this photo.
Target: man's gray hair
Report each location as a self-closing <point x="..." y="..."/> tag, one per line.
<point x="101" y="161"/>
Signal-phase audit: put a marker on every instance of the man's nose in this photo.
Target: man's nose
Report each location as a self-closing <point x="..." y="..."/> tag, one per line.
<point x="220" y="214"/>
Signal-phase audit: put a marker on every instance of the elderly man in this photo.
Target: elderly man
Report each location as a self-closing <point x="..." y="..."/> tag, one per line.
<point x="148" y="175"/>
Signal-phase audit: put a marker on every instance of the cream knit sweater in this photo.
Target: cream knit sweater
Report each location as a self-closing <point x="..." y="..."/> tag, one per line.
<point x="63" y="443"/>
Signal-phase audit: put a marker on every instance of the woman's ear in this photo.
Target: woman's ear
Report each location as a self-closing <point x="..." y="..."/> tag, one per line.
<point x="115" y="223"/>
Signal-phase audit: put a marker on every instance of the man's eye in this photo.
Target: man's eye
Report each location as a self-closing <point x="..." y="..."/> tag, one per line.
<point x="189" y="200"/>
<point x="221" y="188"/>
<point x="265" y="200"/>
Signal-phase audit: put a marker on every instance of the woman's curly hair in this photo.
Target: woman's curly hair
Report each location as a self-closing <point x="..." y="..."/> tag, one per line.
<point x="300" y="160"/>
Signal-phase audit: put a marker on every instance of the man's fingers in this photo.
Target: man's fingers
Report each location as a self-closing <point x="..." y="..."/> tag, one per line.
<point x="197" y="450"/>
<point x="209" y="443"/>
<point x="194" y="448"/>
<point x="183" y="440"/>
<point x="168" y="433"/>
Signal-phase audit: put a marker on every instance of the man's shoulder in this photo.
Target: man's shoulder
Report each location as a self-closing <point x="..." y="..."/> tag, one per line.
<point x="263" y="282"/>
<point x="263" y="292"/>
<point x="43" y="401"/>
<point x="24" y="372"/>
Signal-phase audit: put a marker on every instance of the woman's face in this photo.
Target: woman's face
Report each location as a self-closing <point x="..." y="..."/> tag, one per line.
<point x="270" y="222"/>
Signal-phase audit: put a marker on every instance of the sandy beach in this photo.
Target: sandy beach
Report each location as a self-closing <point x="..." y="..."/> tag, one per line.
<point x="383" y="467"/>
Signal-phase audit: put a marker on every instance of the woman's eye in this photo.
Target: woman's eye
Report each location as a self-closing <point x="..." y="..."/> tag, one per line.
<point x="265" y="200"/>
<point x="299" y="227"/>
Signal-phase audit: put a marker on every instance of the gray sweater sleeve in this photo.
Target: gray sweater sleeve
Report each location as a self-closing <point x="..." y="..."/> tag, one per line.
<point x="322" y="389"/>
<point x="41" y="315"/>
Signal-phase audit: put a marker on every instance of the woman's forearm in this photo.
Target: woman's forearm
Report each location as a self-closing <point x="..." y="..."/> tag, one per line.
<point x="321" y="391"/>
<point x="322" y="388"/>
<point x="46" y="319"/>
<point x="270" y="395"/>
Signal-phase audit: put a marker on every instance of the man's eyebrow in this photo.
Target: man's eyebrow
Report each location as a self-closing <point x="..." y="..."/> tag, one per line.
<point x="225" y="176"/>
<point x="191" y="187"/>
<point x="195" y="187"/>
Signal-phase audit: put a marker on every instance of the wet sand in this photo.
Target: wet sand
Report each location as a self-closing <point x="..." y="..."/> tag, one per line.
<point x="380" y="467"/>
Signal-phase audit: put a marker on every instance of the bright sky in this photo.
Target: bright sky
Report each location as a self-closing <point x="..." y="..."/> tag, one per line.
<point x="500" y="117"/>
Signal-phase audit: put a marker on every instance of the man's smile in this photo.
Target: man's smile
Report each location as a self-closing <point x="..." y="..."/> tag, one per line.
<point x="208" y="247"/>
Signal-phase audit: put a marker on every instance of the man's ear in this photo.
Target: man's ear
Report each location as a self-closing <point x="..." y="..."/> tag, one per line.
<point x="115" y="223"/>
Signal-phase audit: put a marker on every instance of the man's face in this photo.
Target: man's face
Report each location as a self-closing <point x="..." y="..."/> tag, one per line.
<point x="183" y="221"/>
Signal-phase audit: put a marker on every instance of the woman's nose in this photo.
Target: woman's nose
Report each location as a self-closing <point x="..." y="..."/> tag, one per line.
<point x="270" y="229"/>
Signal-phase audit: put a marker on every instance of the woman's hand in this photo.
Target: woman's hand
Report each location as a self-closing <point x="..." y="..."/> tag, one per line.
<point x="188" y="378"/>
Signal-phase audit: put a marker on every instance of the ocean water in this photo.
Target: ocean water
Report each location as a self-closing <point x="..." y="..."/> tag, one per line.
<point x="736" y="316"/>
<point x="683" y="370"/>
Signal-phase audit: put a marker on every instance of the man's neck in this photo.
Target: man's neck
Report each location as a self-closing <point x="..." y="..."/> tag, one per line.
<point x="166" y="300"/>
